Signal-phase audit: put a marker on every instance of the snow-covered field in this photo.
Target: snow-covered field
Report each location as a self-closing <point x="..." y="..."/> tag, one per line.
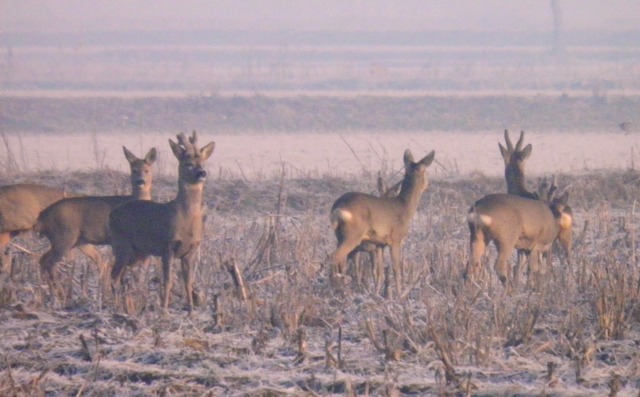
<point x="300" y="334"/>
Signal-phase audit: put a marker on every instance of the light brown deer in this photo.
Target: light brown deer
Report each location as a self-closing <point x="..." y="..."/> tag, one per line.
<point x="515" y="222"/>
<point x="82" y="222"/>
<point x="171" y="230"/>
<point x="515" y="159"/>
<point x="514" y="172"/>
<point x="20" y="205"/>
<point x="375" y="251"/>
<point x="384" y="221"/>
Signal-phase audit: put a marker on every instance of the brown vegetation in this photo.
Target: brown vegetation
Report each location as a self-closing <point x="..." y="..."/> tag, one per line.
<point x="290" y="332"/>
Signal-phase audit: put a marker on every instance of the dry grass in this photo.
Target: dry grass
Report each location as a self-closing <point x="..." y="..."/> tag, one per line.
<point x="291" y="331"/>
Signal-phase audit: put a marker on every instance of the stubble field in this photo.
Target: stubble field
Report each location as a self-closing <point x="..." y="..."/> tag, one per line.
<point x="299" y="119"/>
<point x="298" y="333"/>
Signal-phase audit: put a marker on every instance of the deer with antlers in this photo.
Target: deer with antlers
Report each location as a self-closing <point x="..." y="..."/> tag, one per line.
<point x="172" y="230"/>
<point x="512" y="222"/>
<point x="515" y="159"/>
<point x="383" y="221"/>
<point x="20" y="205"/>
<point x="83" y="222"/>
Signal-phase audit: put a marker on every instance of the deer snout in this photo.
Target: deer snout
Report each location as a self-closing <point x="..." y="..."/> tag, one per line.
<point x="140" y="182"/>
<point x="201" y="175"/>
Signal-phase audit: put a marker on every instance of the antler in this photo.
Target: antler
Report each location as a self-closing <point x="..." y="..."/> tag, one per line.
<point x="188" y="144"/>
<point x="520" y="141"/>
<point x="193" y="138"/>
<point x="547" y="191"/>
<point x="509" y="144"/>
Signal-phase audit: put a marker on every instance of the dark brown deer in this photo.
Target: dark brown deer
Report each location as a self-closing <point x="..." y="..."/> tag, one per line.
<point x="516" y="222"/>
<point x="383" y="221"/>
<point x="515" y="159"/>
<point x="20" y="205"/>
<point x="171" y="230"/>
<point x="83" y="222"/>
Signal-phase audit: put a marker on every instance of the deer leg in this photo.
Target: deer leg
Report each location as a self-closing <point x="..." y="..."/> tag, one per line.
<point x="5" y="257"/>
<point x="355" y="258"/>
<point x="477" y="247"/>
<point x="502" y="262"/>
<point x="339" y="256"/>
<point x="534" y="269"/>
<point x="396" y="260"/>
<point x="166" y="279"/>
<point x="187" y="277"/>
<point x="521" y="257"/>
<point x="373" y="253"/>
<point x="124" y="257"/>
<point x="377" y="268"/>
<point x="48" y="263"/>
<point x="92" y="253"/>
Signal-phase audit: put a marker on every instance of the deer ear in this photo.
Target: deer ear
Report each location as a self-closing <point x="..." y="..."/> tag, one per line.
<point x="408" y="159"/>
<point x="564" y="199"/>
<point x="206" y="151"/>
<point x="526" y="152"/>
<point x="178" y="151"/>
<point x="150" y="158"/>
<point x="131" y="158"/>
<point x="428" y="159"/>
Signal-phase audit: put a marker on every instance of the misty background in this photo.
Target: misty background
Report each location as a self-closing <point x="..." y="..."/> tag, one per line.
<point x="78" y="15"/>
<point x="276" y="46"/>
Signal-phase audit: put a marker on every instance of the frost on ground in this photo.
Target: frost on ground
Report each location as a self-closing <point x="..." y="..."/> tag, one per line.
<point x="296" y="331"/>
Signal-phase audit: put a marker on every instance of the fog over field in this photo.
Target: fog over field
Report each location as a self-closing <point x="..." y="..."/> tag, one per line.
<point x="204" y="48"/>
<point x="77" y="15"/>
<point x="307" y="100"/>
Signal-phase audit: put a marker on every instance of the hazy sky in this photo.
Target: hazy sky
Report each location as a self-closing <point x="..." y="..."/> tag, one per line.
<point x="83" y="15"/>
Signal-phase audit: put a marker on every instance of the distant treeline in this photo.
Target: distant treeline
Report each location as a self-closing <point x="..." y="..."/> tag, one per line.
<point x="525" y="38"/>
<point x="317" y="113"/>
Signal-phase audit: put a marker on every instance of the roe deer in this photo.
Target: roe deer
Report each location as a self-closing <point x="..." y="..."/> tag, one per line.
<point x="172" y="230"/>
<point x="514" y="161"/>
<point x="375" y="251"/>
<point x="20" y="205"/>
<point x="514" y="166"/>
<point x="515" y="222"/>
<point x="514" y="172"/>
<point x="84" y="221"/>
<point x="358" y="217"/>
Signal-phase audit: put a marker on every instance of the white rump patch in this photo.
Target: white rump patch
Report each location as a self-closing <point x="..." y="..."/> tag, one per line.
<point x="566" y="221"/>
<point x="341" y="215"/>
<point x="481" y="219"/>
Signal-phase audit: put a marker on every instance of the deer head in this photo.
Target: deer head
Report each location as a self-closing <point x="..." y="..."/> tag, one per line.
<point x="141" y="172"/>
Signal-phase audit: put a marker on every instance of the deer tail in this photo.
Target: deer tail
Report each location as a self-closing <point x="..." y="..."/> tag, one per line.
<point x="338" y="216"/>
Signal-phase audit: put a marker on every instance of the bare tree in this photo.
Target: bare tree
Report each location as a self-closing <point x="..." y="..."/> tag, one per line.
<point x="558" y="46"/>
